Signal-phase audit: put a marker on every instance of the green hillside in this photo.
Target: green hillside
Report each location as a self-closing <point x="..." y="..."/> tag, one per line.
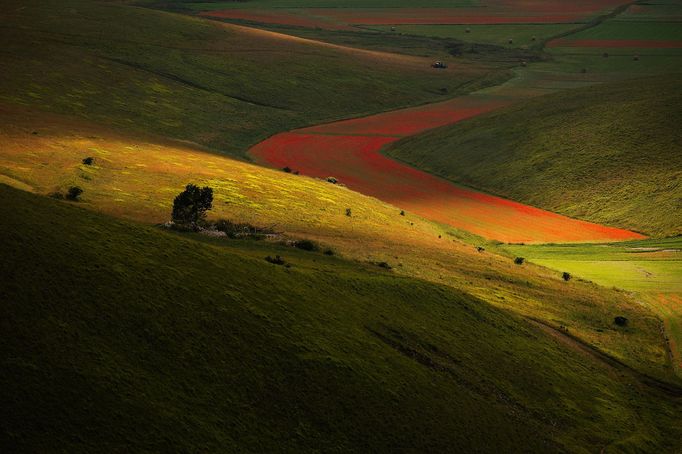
<point x="218" y="85"/>
<point x="609" y="153"/>
<point x="145" y="340"/>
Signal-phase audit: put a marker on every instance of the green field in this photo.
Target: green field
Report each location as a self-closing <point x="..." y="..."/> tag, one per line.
<point x="521" y="34"/>
<point x="651" y="268"/>
<point x="605" y="154"/>
<point x="614" y="29"/>
<point x="660" y="11"/>
<point x="640" y="266"/>
<point x="162" y="341"/>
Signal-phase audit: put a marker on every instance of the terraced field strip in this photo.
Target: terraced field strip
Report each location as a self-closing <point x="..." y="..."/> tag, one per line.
<point x="505" y="12"/>
<point x="350" y="152"/>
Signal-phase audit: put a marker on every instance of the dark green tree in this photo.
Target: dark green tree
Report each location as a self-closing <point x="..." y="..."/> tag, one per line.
<point x="190" y="206"/>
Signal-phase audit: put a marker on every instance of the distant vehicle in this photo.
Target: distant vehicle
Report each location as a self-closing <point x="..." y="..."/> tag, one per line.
<point x="439" y="64"/>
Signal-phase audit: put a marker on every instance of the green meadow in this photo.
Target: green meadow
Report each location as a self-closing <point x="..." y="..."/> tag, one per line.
<point x="639" y="266"/>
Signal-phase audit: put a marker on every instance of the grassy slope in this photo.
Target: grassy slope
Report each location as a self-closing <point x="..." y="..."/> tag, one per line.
<point x="217" y="85"/>
<point x="137" y="176"/>
<point x="435" y="47"/>
<point x="607" y="154"/>
<point x="651" y="268"/>
<point x="151" y="340"/>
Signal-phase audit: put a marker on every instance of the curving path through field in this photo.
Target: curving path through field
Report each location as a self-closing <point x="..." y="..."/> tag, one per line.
<point x="349" y="150"/>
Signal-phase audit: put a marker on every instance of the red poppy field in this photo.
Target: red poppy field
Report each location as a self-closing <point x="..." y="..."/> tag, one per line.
<point x="400" y="123"/>
<point x="505" y="12"/>
<point x="350" y="151"/>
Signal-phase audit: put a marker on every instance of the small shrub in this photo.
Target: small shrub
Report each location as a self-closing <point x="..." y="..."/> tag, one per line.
<point x="402" y="212"/>
<point x="328" y="252"/>
<point x="296" y="172"/>
<point x="384" y="265"/>
<point x="519" y="260"/>
<point x="332" y="180"/>
<point x="287" y="169"/>
<point x="480" y="248"/>
<point x="57" y="195"/>
<point x="566" y="276"/>
<point x="306" y="245"/>
<point x="348" y="212"/>
<point x="88" y="161"/>
<point x="605" y="55"/>
<point x="74" y="193"/>
<point x="277" y="260"/>
<point x="620" y="320"/>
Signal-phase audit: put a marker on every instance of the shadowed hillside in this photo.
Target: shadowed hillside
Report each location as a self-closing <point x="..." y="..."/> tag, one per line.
<point x="146" y="339"/>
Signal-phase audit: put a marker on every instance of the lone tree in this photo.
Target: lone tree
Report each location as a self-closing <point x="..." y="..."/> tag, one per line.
<point x="566" y="276"/>
<point x="190" y="206"/>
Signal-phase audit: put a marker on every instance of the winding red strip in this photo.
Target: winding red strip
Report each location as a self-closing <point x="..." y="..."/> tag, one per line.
<point x="350" y="151"/>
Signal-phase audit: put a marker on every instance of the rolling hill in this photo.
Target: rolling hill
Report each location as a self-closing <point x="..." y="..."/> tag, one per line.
<point x="219" y="85"/>
<point x="136" y="176"/>
<point x="159" y="341"/>
<point x="608" y="154"/>
<point x="408" y="333"/>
